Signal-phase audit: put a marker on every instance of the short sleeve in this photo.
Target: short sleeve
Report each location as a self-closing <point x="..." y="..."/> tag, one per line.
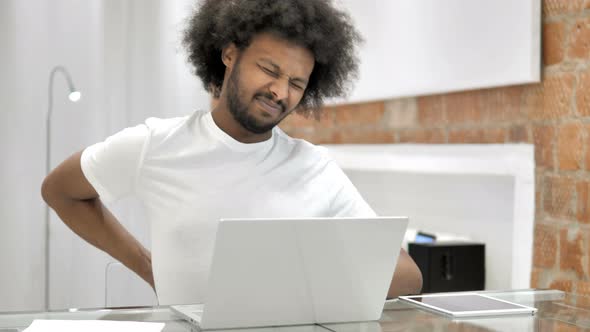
<point x="347" y="201"/>
<point x="112" y="166"/>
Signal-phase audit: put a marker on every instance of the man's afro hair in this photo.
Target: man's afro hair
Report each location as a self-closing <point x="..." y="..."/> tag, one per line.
<point x="315" y="24"/>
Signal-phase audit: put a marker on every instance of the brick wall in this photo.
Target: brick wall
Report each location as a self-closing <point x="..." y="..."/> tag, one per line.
<point x="553" y="115"/>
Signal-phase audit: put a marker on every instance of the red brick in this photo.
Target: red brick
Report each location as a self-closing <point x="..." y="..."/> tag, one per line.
<point x="357" y="136"/>
<point x="463" y="107"/>
<point x="359" y="114"/>
<point x="400" y="113"/>
<point x="557" y="7"/>
<point x="431" y="111"/>
<point x="553" y="42"/>
<point x="570" y="150"/>
<point x="536" y="278"/>
<point x="571" y="252"/>
<point x="583" y="206"/>
<point x="580" y="39"/>
<point x="545" y="325"/>
<point x="583" y="294"/>
<point x="298" y="121"/>
<point x="538" y="194"/>
<point x="550" y="325"/>
<point x="317" y="136"/>
<point x="494" y="135"/>
<point x="583" y="94"/>
<point x="545" y="246"/>
<point x="478" y="136"/>
<point x="543" y="138"/>
<point x="583" y="288"/>
<point x="565" y="327"/>
<point x="466" y="136"/>
<point x="519" y="134"/>
<point x="551" y="99"/>
<point x="432" y="136"/>
<point x="502" y="104"/>
<point x="583" y="302"/>
<point x="558" y="197"/>
<point x="562" y="284"/>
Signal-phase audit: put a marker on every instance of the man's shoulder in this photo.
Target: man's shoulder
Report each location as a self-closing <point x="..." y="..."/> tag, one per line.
<point x="155" y="124"/>
<point x="302" y="148"/>
<point x="166" y="128"/>
<point x="168" y="133"/>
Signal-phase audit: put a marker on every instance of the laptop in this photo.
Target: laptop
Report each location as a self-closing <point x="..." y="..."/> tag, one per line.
<point x="278" y="272"/>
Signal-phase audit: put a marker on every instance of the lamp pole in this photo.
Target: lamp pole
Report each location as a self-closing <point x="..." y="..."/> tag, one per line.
<point x="74" y="96"/>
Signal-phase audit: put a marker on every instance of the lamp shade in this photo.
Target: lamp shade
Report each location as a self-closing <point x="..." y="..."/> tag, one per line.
<point x="74" y="96"/>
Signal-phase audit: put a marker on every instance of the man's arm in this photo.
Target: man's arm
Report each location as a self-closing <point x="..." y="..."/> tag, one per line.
<point x="76" y="202"/>
<point x="407" y="278"/>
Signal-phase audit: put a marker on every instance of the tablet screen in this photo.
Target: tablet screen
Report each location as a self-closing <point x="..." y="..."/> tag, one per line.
<point x="472" y="302"/>
<point x="468" y="305"/>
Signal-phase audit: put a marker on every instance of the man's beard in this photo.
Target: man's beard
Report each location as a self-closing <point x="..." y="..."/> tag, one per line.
<point x="239" y="110"/>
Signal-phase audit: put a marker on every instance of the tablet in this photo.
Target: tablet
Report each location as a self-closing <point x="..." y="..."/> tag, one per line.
<point x="467" y="305"/>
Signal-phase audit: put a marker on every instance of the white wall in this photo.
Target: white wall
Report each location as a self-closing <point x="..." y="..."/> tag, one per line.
<point x="421" y="47"/>
<point x="123" y="56"/>
<point x="23" y="85"/>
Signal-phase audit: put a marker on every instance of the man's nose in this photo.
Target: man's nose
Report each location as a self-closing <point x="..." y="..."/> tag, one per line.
<point x="280" y="88"/>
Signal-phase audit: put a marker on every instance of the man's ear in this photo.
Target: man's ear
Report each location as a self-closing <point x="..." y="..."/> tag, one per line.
<point x="229" y="54"/>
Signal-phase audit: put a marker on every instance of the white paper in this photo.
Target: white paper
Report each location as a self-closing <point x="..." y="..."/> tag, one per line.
<point x="40" y="325"/>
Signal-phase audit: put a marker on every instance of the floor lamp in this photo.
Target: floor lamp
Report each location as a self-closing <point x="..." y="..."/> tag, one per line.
<point x="74" y="96"/>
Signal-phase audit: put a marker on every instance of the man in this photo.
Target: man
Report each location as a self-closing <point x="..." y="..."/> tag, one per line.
<point x="263" y="60"/>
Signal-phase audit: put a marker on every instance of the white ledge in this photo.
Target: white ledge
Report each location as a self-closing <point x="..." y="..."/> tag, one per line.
<point x="514" y="160"/>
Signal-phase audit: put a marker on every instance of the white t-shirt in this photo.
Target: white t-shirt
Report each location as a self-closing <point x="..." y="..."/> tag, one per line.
<point x="189" y="173"/>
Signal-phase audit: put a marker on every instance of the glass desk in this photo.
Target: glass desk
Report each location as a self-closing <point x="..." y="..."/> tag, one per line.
<point x="558" y="311"/>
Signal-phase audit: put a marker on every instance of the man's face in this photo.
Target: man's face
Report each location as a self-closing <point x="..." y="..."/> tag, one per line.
<point x="267" y="82"/>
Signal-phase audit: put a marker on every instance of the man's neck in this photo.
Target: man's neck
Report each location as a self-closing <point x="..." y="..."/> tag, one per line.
<point x="226" y="122"/>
